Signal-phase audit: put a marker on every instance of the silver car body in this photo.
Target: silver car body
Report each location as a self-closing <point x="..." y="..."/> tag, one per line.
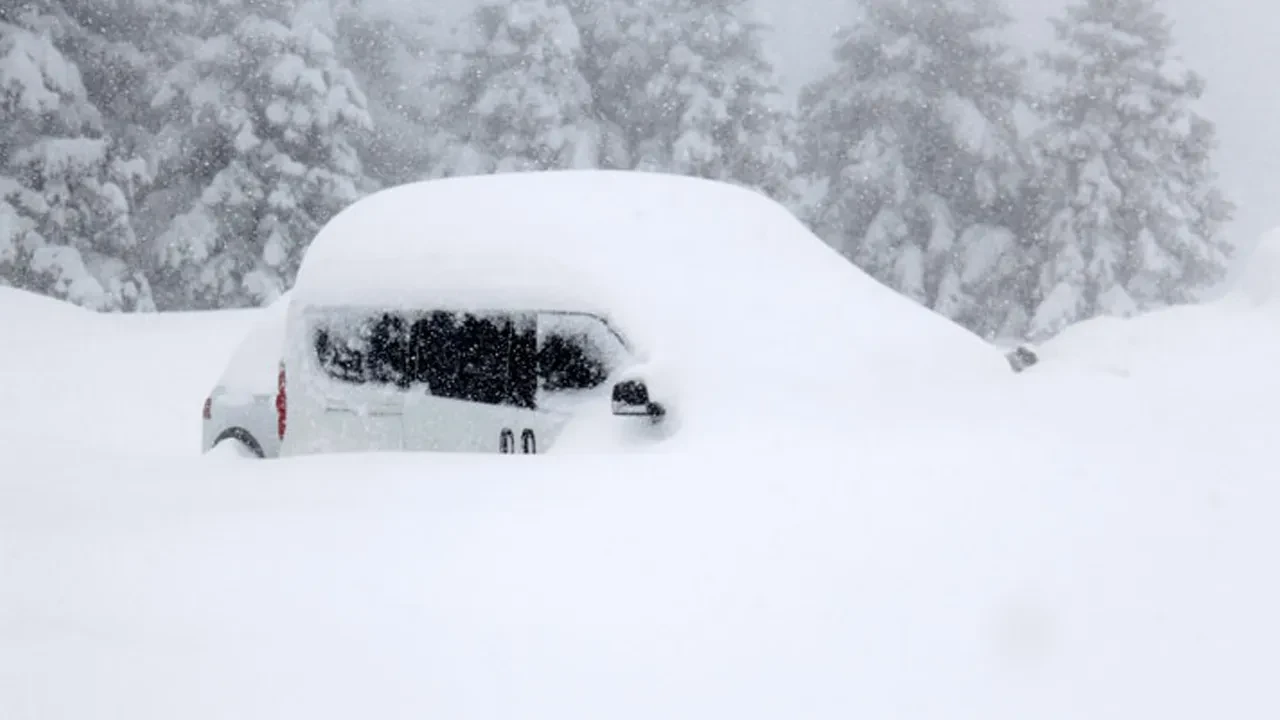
<point x="242" y="405"/>
<point x="391" y="395"/>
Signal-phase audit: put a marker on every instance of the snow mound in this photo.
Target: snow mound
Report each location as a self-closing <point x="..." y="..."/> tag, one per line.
<point x="1186" y="340"/>
<point x="1100" y="554"/>
<point x="230" y="450"/>
<point x="1259" y="283"/>
<point x="1200" y="374"/>
<point x="23" y="312"/>
<point x="1113" y="344"/>
<point x="740" y="303"/>
<point x="72" y="380"/>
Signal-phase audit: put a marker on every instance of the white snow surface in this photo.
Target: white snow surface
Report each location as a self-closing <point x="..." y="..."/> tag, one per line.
<point x="734" y="307"/>
<point x="72" y="381"/>
<point x="254" y="365"/>
<point x="1086" y="544"/>
<point x="1259" y="280"/>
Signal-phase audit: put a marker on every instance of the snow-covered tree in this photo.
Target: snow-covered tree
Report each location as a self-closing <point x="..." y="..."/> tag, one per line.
<point x="256" y="152"/>
<point x="390" y="46"/>
<point x="511" y="96"/>
<point x="686" y="86"/>
<point x="912" y="142"/>
<point x="1130" y="212"/>
<point x="65" y="186"/>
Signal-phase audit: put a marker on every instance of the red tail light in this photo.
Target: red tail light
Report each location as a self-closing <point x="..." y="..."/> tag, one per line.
<point x="282" y="404"/>
<point x="208" y="408"/>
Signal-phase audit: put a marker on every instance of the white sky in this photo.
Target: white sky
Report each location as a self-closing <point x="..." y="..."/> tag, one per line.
<point x="1230" y="42"/>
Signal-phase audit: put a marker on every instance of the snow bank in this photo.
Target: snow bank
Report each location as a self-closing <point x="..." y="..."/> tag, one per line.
<point x="1088" y="556"/>
<point x="71" y="379"/>
<point x="1244" y="325"/>
<point x="991" y="576"/>
<point x="727" y="295"/>
<point x="26" y="313"/>
<point x="1259" y="282"/>
<point x="1197" y="373"/>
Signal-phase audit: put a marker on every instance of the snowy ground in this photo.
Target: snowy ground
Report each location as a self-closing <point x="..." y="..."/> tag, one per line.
<point x="1095" y="543"/>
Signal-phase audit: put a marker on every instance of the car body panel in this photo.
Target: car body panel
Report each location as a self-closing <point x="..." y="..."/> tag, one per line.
<point x="241" y="405"/>
<point x="248" y="418"/>
<point x="443" y="393"/>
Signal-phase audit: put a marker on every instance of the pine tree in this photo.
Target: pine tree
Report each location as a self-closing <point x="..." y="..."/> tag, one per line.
<point x="685" y="86"/>
<point x="1131" y="214"/>
<point x="389" y="46"/>
<point x="65" y="186"/>
<point x="511" y="97"/>
<point x="916" y="156"/>
<point x="258" y="141"/>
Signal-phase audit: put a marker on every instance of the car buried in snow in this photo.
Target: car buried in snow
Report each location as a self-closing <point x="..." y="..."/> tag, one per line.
<point x="564" y="311"/>
<point x="240" y="410"/>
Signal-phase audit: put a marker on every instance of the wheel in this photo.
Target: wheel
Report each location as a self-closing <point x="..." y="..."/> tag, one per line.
<point x="239" y="442"/>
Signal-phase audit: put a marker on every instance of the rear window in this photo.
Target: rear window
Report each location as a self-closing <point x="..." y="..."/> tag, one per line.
<point x="491" y="358"/>
<point x="367" y="350"/>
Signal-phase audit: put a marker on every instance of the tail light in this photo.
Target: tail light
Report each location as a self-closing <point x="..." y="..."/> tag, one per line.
<point x="282" y="404"/>
<point x="208" y="408"/>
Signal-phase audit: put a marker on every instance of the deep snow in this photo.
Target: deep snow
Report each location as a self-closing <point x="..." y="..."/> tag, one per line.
<point x="1095" y="541"/>
<point x="72" y="381"/>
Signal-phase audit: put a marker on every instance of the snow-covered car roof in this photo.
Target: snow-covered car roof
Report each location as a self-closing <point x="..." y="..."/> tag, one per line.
<point x="700" y="274"/>
<point x="492" y="242"/>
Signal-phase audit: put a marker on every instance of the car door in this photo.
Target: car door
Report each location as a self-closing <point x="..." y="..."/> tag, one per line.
<point x="365" y="362"/>
<point x="474" y="385"/>
<point x="434" y="424"/>
<point x="505" y="383"/>
<point x="578" y="355"/>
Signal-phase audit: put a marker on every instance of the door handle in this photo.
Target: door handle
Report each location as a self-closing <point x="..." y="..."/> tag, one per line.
<point x="507" y="442"/>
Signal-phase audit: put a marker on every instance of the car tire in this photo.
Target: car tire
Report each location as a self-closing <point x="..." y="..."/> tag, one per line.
<point x="249" y="445"/>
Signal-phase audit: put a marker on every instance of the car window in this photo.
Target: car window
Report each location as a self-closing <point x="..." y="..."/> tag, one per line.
<point x="387" y="359"/>
<point x="576" y="352"/>
<point x="513" y="359"/>
<point x="341" y="353"/>
<point x="482" y="358"/>
<point x="365" y="349"/>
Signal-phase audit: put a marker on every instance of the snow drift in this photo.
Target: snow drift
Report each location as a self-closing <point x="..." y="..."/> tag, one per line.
<point x="1090" y="555"/>
<point x="1196" y="376"/>
<point x="72" y="380"/>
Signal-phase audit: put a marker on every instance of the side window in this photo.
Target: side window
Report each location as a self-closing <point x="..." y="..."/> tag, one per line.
<point x="371" y="349"/>
<point x="513" y="359"/>
<point x="388" y="355"/>
<point x="576" y="352"/>
<point x="489" y="359"/>
<point x="340" y="355"/>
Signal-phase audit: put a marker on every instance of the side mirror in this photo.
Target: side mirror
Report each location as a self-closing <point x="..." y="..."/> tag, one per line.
<point x="631" y="399"/>
<point x="1022" y="358"/>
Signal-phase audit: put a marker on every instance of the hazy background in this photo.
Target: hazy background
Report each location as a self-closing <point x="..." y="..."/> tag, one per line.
<point x="181" y="245"/>
<point x="1231" y="42"/>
